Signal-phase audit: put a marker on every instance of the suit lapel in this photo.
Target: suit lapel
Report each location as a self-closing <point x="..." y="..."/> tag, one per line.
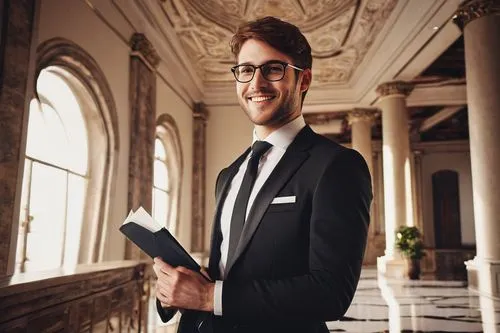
<point x="293" y="158"/>
<point x="221" y="191"/>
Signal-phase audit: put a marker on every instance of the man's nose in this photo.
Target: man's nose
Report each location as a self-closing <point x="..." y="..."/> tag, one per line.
<point x="258" y="79"/>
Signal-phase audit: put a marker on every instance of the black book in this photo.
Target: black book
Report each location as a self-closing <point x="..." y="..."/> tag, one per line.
<point x="155" y="240"/>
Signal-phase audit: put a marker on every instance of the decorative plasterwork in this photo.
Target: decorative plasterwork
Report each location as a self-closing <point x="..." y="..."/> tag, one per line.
<point x="362" y="115"/>
<point x="474" y="9"/>
<point x="395" y="88"/>
<point x="139" y="43"/>
<point x="340" y="32"/>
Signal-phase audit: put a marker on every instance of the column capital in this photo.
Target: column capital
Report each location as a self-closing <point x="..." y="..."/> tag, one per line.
<point x="200" y="112"/>
<point x="394" y="88"/>
<point x="470" y="10"/>
<point x="362" y="115"/>
<point x="140" y="44"/>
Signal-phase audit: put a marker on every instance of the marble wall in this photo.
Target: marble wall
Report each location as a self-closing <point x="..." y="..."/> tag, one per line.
<point x="16" y="69"/>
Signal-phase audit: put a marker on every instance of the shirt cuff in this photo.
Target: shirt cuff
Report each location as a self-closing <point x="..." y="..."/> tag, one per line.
<point x="218" y="298"/>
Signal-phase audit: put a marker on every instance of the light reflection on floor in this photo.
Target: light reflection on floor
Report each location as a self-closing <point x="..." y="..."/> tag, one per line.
<point x="380" y="305"/>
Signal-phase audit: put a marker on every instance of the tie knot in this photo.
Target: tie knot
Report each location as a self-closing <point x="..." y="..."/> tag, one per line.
<point x="259" y="148"/>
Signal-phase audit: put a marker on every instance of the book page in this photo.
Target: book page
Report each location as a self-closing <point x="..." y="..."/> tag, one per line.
<point x="142" y="218"/>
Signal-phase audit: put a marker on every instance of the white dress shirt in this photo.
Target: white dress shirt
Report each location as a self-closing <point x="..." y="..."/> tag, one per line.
<point x="280" y="139"/>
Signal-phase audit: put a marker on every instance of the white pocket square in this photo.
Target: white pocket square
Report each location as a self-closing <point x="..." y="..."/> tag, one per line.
<point x="282" y="200"/>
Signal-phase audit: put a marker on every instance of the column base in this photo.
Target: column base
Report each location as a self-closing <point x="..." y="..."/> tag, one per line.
<point x="483" y="276"/>
<point x="391" y="267"/>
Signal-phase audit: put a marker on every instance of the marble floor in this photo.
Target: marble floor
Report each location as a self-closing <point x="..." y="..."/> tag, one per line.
<point x="382" y="305"/>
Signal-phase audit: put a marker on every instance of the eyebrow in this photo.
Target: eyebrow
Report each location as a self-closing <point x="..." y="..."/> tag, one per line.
<point x="267" y="62"/>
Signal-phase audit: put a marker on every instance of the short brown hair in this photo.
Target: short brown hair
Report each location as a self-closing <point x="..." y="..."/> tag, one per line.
<point x="283" y="36"/>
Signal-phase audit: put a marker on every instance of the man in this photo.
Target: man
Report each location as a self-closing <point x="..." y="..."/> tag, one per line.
<point x="292" y="212"/>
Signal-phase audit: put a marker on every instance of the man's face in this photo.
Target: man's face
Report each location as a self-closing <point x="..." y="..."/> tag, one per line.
<point x="270" y="104"/>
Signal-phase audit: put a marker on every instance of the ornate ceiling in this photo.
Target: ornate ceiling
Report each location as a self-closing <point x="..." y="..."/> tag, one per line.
<point x="340" y="32"/>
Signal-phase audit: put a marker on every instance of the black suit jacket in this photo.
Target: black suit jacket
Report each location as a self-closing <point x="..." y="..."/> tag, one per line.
<point x="297" y="264"/>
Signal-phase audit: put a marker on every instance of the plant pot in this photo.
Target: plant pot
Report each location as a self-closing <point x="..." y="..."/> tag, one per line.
<point x="413" y="268"/>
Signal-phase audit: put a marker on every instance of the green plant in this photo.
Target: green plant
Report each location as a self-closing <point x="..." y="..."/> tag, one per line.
<point x="409" y="242"/>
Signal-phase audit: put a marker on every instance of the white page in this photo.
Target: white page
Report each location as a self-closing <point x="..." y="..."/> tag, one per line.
<point x="142" y="218"/>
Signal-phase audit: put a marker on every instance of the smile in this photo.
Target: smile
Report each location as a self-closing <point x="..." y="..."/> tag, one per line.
<point x="260" y="98"/>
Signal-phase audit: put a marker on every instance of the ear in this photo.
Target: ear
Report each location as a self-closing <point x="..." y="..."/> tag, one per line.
<point x="306" y="79"/>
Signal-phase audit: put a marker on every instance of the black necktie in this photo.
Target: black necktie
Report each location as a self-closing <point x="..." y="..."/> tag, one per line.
<point x="241" y="203"/>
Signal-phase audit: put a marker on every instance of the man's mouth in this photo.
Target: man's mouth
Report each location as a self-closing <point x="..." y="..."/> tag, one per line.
<point x="261" y="98"/>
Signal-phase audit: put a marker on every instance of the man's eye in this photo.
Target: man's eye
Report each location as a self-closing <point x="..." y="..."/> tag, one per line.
<point x="246" y="69"/>
<point x="274" y="68"/>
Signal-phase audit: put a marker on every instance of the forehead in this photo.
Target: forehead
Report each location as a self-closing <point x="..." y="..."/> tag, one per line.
<point x="257" y="52"/>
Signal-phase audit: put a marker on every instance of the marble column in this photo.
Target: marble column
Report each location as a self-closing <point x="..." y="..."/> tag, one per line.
<point x="417" y="189"/>
<point x="200" y="117"/>
<point x="17" y="58"/>
<point x="397" y="170"/>
<point x="143" y="63"/>
<point x="361" y="121"/>
<point x="480" y="21"/>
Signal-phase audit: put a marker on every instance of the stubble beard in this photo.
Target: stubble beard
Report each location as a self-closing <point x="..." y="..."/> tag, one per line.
<point x="281" y="114"/>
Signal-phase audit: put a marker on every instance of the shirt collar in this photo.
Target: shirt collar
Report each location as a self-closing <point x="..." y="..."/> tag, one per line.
<point x="283" y="136"/>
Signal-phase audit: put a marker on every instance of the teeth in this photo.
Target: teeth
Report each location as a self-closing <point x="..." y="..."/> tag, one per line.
<point x="260" y="98"/>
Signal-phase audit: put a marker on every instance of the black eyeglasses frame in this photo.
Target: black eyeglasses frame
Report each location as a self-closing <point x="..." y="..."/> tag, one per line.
<point x="283" y="63"/>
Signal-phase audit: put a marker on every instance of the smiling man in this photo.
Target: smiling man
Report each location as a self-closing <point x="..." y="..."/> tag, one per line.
<point x="292" y="211"/>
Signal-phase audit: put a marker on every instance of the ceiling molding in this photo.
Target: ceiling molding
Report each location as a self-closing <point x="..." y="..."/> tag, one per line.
<point x="438" y="95"/>
<point x="408" y="30"/>
<point x="403" y="46"/>
<point x="410" y="33"/>
<point x="147" y="18"/>
<point x="443" y="38"/>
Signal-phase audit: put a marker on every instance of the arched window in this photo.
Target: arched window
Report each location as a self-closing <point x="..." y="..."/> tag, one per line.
<point x="55" y="177"/>
<point x="71" y="155"/>
<point x="161" y="185"/>
<point x="167" y="173"/>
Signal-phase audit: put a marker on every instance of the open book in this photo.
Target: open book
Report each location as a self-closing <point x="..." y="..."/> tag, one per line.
<point x="155" y="240"/>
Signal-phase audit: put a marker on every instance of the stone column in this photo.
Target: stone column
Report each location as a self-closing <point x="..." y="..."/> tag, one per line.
<point x="480" y="21"/>
<point x="361" y="121"/>
<point x="18" y="40"/>
<point x="397" y="170"/>
<point x="200" y="116"/>
<point x="143" y="63"/>
<point x="417" y="189"/>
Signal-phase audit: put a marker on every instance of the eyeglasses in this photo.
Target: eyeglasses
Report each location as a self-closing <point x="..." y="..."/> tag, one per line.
<point x="271" y="71"/>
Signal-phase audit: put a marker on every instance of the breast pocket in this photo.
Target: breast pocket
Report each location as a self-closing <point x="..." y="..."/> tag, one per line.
<point x="283" y="204"/>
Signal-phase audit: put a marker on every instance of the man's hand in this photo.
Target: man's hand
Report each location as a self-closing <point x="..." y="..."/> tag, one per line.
<point x="182" y="288"/>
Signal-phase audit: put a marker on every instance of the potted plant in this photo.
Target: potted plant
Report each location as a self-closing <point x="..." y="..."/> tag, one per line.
<point x="409" y="243"/>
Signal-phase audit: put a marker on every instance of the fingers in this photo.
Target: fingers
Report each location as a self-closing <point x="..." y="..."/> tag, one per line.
<point x="184" y="270"/>
<point x="199" y="276"/>
<point x="163" y="266"/>
<point x="162" y="298"/>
